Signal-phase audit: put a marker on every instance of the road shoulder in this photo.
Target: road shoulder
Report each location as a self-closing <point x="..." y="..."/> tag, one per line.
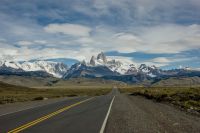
<point x="139" y="115"/>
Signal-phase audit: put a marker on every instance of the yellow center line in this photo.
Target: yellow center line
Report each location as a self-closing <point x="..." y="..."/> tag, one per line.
<point x="25" y="126"/>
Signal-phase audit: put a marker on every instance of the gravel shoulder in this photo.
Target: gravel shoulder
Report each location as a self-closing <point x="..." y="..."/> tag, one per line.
<point x="135" y="114"/>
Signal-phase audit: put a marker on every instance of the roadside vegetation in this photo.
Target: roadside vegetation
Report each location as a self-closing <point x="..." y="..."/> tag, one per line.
<point x="185" y="97"/>
<point x="12" y="93"/>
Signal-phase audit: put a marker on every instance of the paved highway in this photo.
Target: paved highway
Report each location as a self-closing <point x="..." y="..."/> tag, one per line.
<point x="78" y="115"/>
<point x="127" y="114"/>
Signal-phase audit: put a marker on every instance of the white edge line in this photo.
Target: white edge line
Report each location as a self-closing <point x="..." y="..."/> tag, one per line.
<point x="106" y="118"/>
<point x="32" y="107"/>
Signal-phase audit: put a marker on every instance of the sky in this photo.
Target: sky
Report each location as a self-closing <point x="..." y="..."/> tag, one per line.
<point x="165" y="33"/>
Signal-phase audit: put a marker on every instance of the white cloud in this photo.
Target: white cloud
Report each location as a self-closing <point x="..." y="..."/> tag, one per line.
<point x="7" y="51"/>
<point x="127" y="37"/>
<point x="86" y="41"/>
<point x="25" y="43"/>
<point x="65" y="42"/>
<point x="40" y="41"/>
<point x="83" y="40"/>
<point x="161" y="60"/>
<point x="154" y="39"/>
<point x="69" y="29"/>
<point x="113" y="25"/>
<point x="149" y="63"/>
<point x="169" y="38"/>
<point x="127" y="60"/>
<point x="125" y="42"/>
<point x="2" y="40"/>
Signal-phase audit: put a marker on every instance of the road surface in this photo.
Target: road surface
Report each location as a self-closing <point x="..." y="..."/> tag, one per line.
<point x="128" y="114"/>
<point x="78" y="115"/>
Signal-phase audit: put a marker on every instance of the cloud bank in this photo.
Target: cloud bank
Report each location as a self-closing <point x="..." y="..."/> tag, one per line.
<point x="78" y="29"/>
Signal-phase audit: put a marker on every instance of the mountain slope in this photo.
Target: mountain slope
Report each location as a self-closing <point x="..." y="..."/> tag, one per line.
<point x="82" y="70"/>
<point x="178" y="81"/>
<point x="99" y="66"/>
<point x="40" y="67"/>
<point x="122" y="70"/>
<point x="121" y="67"/>
<point x="29" y="81"/>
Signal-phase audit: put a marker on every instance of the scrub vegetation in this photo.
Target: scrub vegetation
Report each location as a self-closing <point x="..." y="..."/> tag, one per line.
<point x="185" y="97"/>
<point x="12" y="93"/>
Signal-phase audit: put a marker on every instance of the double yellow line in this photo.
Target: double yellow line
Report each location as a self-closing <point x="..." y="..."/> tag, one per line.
<point x="25" y="126"/>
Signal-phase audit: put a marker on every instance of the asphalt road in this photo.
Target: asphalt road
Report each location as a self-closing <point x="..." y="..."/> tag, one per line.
<point x="78" y="115"/>
<point x="129" y="114"/>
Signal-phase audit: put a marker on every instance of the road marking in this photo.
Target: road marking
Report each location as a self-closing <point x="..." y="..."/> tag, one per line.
<point x="106" y="118"/>
<point x="25" y="126"/>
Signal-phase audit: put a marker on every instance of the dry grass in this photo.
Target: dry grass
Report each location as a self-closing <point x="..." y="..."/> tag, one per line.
<point x="12" y="93"/>
<point x="185" y="97"/>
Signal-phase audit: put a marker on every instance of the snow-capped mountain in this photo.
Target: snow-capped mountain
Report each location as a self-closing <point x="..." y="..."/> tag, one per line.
<point x="83" y="70"/>
<point x="102" y="66"/>
<point x="98" y="66"/>
<point x="114" y="65"/>
<point x="53" y="68"/>
<point x="109" y="68"/>
<point x="122" y="66"/>
<point x="151" y="71"/>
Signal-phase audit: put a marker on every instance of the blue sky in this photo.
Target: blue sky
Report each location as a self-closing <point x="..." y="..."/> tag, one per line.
<point x="164" y="33"/>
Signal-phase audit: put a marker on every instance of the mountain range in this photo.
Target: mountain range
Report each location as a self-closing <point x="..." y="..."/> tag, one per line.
<point x="98" y="66"/>
<point x="37" y="68"/>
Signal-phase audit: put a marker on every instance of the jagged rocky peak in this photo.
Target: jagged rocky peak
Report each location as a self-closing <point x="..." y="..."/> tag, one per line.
<point x="187" y="68"/>
<point x="83" y="62"/>
<point x="2" y="62"/>
<point x="143" y="66"/>
<point x="92" y="61"/>
<point x="101" y="56"/>
<point x="154" y="67"/>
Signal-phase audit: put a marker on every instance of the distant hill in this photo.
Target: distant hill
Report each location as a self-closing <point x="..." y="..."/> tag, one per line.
<point x="39" y="82"/>
<point x="27" y="81"/>
<point x="88" y="82"/>
<point x="178" y="81"/>
<point x="5" y="86"/>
